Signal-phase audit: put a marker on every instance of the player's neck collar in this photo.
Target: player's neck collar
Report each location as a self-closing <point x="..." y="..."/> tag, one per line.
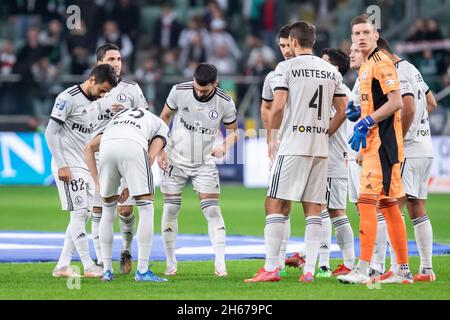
<point x="84" y="93"/>
<point x="206" y="100"/>
<point x="373" y="52"/>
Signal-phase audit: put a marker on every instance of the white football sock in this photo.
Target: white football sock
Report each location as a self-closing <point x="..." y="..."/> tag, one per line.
<point x="273" y="236"/>
<point x="95" y="224"/>
<point x="68" y="249"/>
<point x="379" y="251"/>
<point x="216" y="229"/>
<point x="169" y="227"/>
<point x="313" y="235"/>
<point x="284" y="243"/>
<point x="144" y="233"/>
<point x="325" y="243"/>
<point x="127" y="231"/>
<point x="78" y="232"/>
<point x="107" y="234"/>
<point x="345" y="240"/>
<point x="423" y="233"/>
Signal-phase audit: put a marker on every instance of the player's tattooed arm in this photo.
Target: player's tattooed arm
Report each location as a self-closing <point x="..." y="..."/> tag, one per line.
<point x="89" y="155"/>
<point x="340" y="103"/>
<point x="230" y="141"/>
<point x="166" y="114"/>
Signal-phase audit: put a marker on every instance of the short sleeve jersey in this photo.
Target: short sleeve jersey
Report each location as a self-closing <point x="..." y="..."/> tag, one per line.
<point x="311" y="83"/>
<point x="196" y="123"/>
<point x="267" y="92"/>
<point x="378" y="77"/>
<point x="71" y="110"/>
<point x="136" y="124"/>
<point x="417" y="140"/>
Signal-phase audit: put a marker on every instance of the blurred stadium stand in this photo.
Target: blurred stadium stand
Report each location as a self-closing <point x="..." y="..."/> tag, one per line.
<point x="40" y="56"/>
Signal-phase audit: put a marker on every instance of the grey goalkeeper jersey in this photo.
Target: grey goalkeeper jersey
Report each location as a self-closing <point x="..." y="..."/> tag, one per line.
<point x="196" y="123"/>
<point x="71" y="110"/>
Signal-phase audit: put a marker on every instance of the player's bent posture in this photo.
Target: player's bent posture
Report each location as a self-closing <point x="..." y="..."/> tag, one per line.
<point x="305" y="88"/>
<point x="126" y="94"/>
<point x="128" y="147"/>
<point x="199" y="108"/>
<point x="266" y="104"/>
<point x="418" y="103"/>
<point x="379" y="133"/>
<point x="67" y="133"/>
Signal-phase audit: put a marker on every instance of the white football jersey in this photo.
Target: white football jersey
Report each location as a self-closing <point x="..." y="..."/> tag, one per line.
<point x="71" y="110"/>
<point x="135" y="124"/>
<point x="196" y="123"/>
<point x="311" y="84"/>
<point x="355" y="97"/>
<point x="127" y="93"/>
<point x="339" y="148"/>
<point x="267" y="92"/>
<point x="417" y="141"/>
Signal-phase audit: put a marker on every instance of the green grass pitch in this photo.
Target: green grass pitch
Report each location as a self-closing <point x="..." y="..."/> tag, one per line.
<point x="37" y="208"/>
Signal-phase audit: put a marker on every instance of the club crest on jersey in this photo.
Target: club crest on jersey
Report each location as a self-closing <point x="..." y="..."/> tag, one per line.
<point x="121" y="97"/>
<point x="213" y="114"/>
<point x="78" y="200"/>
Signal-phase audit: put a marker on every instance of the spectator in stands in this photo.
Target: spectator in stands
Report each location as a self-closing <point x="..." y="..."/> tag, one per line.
<point x="214" y="11"/>
<point x="126" y="14"/>
<point x="418" y="31"/>
<point x="112" y="34"/>
<point x="261" y="57"/>
<point x="433" y="30"/>
<point x="30" y="53"/>
<point x="195" y="25"/>
<point x="273" y="18"/>
<point x="148" y="74"/>
<point x="428" y="64"/>
<point x="44" y="74"/>
<point x="80" y="45"/>
<point x="195" y="52"/>
<point x="53" y="40"/>
<point x="167" y="29"/>
<point x="25" y="14"/>
<point x="170" y="63"/>
<point x="224" y="61"/>
<point x="7" y="58"/>
<point x="220" y="37"/>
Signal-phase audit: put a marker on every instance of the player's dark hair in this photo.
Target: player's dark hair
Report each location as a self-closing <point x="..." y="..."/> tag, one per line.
<point x="101" y="51"/>
<point x="284" y="31"/>
<point x="383" y="44"/>
<point x="205" y="73"/>
<point x="362" y="18"/>
<point x="304" y="32"/>
<point x="338" y="58"/>
<point x="104" y="72"/>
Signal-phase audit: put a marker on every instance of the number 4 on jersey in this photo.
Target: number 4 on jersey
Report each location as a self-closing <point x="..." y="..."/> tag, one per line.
<point x="317" y="104"/>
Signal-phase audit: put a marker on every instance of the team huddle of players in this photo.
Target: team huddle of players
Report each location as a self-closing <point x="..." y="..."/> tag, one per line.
<point x="104" y="141"/>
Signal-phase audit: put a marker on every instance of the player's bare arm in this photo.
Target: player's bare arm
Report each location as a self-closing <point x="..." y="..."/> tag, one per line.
<point x="265" y="111"/>
<point x="89" y="154"/>
<point x="275" y="118"/>
<point x="408" y="111"/>
<point x="166" y="114"/>
<point x="230" y="141"/>
<point x="431" y="102"/>
<point x="155" y="147"/>
<point x="393" y="104"/>
<point x="338" y="119"/>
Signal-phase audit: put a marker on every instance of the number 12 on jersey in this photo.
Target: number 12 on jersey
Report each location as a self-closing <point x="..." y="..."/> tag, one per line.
<point x="316" y="101"/>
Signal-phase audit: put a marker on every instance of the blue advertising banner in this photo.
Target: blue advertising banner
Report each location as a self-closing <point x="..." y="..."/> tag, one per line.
<point x="24" y="159"/>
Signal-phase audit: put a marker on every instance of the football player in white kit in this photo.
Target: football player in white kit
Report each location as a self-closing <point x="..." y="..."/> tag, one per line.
<point x="198" y="107"/>
<point x="127" y="94"/>
<point x="305" y="88"/>
<point x="337" y="186"/>
<point x="418" y="103"/>
<point x="266" y="104"/>
<point x="67" y="133"/>
<point x="128" y="147"/>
